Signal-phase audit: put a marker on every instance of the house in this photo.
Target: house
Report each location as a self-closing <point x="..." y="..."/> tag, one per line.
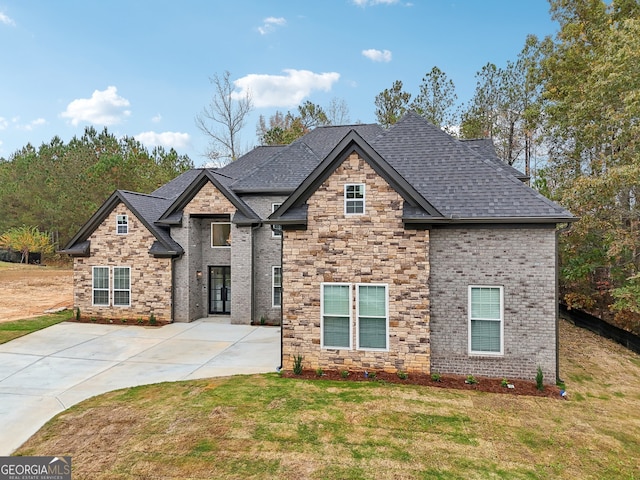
<point x="401" y="250"/>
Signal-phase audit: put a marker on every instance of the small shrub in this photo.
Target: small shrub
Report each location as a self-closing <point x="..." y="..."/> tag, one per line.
<point x="78" y="314"/>
<point x="344" y="373"/>
<point x="471" y="380"/>
<point x="94" y="319"/>
<point x="402" y="375"/>
<point x="319" y="372"/>
<point x="436" y="377"/>
<point x="297" y="364"/>
<point x="152" y="319"/>
<point x="504" y="382"/>
<point x="539" y="379"/>
<point x="123" y="320"/>
<point x="372" y="375"/>
<point x="263" y="320"/>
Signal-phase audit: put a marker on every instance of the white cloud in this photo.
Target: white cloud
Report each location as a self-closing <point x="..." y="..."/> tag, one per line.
<point x="377" y="55"/>
<point x="164" y="139"/>
<point x="283" y="90"/>
<point x="7" y="20"/>
<point x="270" y="24"/>
<point x="368" y="3"/>
<point x="104" y="107"/>
<point x="157" y="118"/>
<point x="4" y="123"/>
<point x="34" y="123"/>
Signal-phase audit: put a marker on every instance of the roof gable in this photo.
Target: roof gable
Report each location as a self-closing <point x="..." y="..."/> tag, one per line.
<point x="146" y="208"/>
<point x="293" y="210"/>
<point x="221" y="182"/>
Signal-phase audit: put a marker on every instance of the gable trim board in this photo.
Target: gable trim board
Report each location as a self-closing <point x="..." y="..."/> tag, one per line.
<point x="439" y="190"/>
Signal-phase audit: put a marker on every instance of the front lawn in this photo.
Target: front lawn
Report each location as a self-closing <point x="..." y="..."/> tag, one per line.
<point x="265" y="426"/>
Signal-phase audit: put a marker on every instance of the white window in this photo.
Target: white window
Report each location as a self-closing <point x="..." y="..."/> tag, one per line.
<point x="276" y="230"/>
<point x="335" y="305"/>
<point x="373" y="317"/>
<point x="220" y="234"/>
<point x="354" y="198"/>
<point x="122" y="224"/>
<point x="100" y="286"/>
<point x="276" y="282"/>
<point x="121" y="286"/>
<point x="486" y="325"/>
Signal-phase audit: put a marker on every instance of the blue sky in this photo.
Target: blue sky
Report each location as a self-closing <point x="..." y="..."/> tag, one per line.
<point x="142" y="67"/>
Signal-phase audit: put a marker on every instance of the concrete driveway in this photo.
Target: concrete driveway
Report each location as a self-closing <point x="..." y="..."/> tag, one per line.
<point x="46" y="372"/>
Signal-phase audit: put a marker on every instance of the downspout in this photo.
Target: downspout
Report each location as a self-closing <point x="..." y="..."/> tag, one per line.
<point x="557" y="300"/>
<point x="281" y="302"/>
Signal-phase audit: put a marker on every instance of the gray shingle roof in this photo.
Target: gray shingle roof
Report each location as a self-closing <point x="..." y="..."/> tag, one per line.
<point x="284" y="171"/>
<point x="454" y="179"/>
<point x="175" y="187"/>
<point x="486" y="149"/>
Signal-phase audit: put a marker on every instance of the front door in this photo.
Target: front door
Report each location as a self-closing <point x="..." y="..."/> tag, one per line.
<point x="220" y="290"/>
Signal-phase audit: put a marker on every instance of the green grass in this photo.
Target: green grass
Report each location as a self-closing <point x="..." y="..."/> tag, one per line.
<point x="267" y="426"/>
<point x="18" y="328"/>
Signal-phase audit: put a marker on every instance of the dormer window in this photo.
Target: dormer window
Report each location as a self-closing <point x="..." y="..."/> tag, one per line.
<point x="354" y="198"/>
<point x="122" y="224"/>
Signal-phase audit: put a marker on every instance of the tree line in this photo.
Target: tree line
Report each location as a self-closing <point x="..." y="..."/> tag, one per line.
<point x="56" y="187"/>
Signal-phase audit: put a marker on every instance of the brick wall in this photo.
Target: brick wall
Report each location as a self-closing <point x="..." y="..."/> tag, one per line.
<point x="369" y="248"/>
<point x="191" y="293"/>
<point x="522" y="260"/>
<point x="266" y="254"/>
<point x="150" y="277"/>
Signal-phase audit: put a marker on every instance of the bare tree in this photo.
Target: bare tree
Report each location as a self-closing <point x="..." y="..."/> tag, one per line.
<point x="338" y="112"/>
<point x="223" y="119"/>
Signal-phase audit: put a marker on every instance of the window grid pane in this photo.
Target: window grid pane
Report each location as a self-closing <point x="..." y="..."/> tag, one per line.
<point x="354" y="198"/>
<point x="485" y="336"/>
<point x="220" y="234"/>
<point x="101" y="285"/>
<point x="121" y="286"/>
<point x="372" y="332"/>
<point x="485" y="319"/>
<point x="336" y="300"/>
<point x="336" y="332"/>
<point x="277" y="286"/>
<point x="122" y="224"/>
<point x="372" y="316"/>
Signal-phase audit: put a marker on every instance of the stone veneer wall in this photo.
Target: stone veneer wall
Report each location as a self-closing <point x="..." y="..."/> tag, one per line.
<point x="523" y="261"/>
<point x="369" y="248"/>
<point x="150" y="277"/>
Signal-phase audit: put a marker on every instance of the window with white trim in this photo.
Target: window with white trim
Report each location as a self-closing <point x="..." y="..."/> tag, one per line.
<point x="486" y="320"/>
<point x="335" y="305"/>
<point x="122" y="224"/>
<point x="121" y="286"/>
<point x="220" y="234"/>
<point x="276" y="230"/>
<point x="100" y="286"/>
<point x="354" y="198"/>
<point x="276" y="286"/>
<point x="373" y="316"/>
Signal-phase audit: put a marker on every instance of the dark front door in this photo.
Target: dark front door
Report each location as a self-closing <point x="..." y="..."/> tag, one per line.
<point x="220" y="290"/>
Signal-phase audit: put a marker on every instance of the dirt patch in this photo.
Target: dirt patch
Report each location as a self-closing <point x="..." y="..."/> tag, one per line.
<point x="484" y="384"/>
<point x="28" y="291"/>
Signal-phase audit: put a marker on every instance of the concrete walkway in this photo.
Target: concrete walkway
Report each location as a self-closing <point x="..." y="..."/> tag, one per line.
<point x="46" y="372"/>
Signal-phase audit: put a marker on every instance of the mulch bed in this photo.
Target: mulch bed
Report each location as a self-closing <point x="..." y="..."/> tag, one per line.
<point x="140" y="322"/>
<point x="485" y="384"/>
